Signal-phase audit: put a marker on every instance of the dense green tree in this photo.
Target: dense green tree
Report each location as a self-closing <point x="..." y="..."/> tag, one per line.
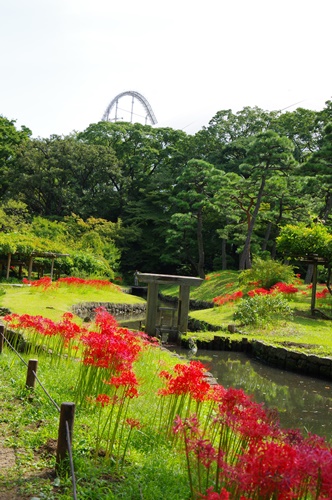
<point x="150" y="159"/>
<point x="57" y="176"/>
<point x="10" y="139"/>
<point x="142" y="153"/>
<point x="225" y="141"/>
<point x="303" y="127"/>
<point x="193" y="194"/>
<point x="14" y="216"/>
<point x="268" y="154"/>
<point x="319" y="172"/>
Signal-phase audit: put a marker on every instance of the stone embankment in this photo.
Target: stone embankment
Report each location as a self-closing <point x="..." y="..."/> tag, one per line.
<point x="86" y="310"/>
<point x="280" y="357"/>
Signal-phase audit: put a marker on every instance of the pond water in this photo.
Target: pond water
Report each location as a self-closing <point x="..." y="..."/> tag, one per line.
<point x="302" y="402"/>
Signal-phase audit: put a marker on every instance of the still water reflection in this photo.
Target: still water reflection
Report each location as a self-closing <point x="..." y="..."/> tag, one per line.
<point x="302" y="402"/>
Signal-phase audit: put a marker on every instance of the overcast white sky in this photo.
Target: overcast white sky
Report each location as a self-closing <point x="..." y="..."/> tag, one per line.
<point x="63" y="61"/>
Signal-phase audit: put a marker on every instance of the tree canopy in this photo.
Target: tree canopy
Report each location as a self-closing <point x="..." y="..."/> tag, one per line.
<point x="159" y="200"/>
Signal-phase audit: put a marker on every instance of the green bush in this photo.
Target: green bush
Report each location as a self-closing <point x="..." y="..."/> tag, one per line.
<point x="86" y="265"/>
<point x="266" y="273"/>
<point x="260" y="309"/>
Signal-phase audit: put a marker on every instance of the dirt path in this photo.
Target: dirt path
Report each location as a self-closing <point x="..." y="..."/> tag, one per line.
<point x="8" y="491"/>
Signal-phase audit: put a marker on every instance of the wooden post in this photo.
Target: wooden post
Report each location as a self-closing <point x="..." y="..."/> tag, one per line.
<point x="314" y="289"/>
<point x="31" y="373"/>
<point x="152" y="308"/>
<point x="2" y="330"/>
<point x="52" y="268"/>
<point x="67" y="413"/>
<point x="183" y="308"/>
<point x="30" y="267"/>
<point x="8" y="265"/>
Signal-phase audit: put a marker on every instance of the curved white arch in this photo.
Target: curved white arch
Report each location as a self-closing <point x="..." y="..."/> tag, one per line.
<point x="135" y="95"/>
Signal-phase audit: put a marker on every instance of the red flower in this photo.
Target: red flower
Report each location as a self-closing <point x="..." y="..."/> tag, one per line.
<point x="132" y="422"/>
<point x="322" y="294"/>
<point x="228" y="297"/>
<point x="103" y="400"/>
<point x="190" y="379"/>
<point x="258" y="291"/>
<point x="212" y="495"/>
<point x="284" y="288"/>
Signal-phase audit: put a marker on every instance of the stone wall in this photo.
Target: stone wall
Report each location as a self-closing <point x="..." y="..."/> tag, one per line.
<point x="279" y="357"/>
<point x="86" y="310"/>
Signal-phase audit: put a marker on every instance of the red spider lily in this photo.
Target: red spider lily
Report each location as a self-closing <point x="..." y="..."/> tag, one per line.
<point x="189" y="380"/>
<point x="190" y="423"/>
<point x="103" y="400"/>
<point x="46" y="282"/>
<point x="228" y="297"/>
<point x="133" y="423"/>
<point x="283" y="288"/>
<point x="241" y="414"/>
<point x="127" y="380"/>
<point x="268" y="470"/>
<point x="43" y="283"/>
<point x="212" y="495"/>
<point x="322" y="294"/>
<point x="112" y="347"/>
<point x="73" y="281"/>
<point x="229" y="285"/>
<point x="258" y="291"/>
<point x="203" y="450"/>
<point x="45" y="326"/>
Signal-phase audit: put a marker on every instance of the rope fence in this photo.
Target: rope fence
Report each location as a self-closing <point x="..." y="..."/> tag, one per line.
<point x="66" y="411"/>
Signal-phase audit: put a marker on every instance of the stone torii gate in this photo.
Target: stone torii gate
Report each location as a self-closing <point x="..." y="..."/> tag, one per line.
<point x="153" y="281"/>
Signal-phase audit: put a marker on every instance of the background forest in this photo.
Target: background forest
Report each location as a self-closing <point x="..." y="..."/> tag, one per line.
<point x="120" y="196"/>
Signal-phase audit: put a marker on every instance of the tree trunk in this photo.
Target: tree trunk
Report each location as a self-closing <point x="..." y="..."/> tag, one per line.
<point x="267" y="236"/>
<point x="223" y="254"/>
<point x="200" y="244"/>
<point x="245" y="260"/>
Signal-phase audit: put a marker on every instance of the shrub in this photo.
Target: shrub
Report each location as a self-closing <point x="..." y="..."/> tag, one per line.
<point x="267" y="273"/>
<point x="260" y="309"/>
<point x="86" y="265"/>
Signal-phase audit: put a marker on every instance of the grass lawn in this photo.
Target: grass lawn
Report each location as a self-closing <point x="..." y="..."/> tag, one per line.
<point x="301" y="332"/>
<point x="54" y="302"/>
